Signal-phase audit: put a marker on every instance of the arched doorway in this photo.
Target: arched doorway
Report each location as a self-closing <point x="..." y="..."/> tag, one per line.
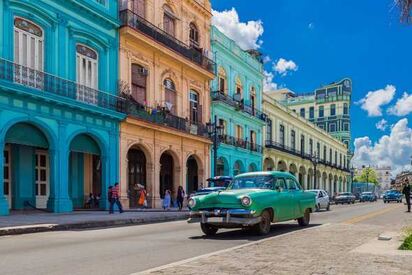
<point x="252" y="167"/>
<point x="282" y="166"/>
<point x="192" y="175"/>
<point x="237" y="168"/>
<point x="166" y="174"/>
<point x="268" y="164"/>
<point x="26" y="167"/>
<point x="302" y="173"/>
<point x="222" y="167"/>
<point x="136" y="174"/>
<point x="85" y="172"/>
<point x="293" y="169"/>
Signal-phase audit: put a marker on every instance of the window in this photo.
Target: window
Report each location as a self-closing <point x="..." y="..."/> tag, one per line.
<point x="28" y="52"/>
<point x="324" y="152"/>
<point x="239" y="132"/>
<point x="168" y="20"/>
<point x="345" y="108"/>
<point x="195" y="108"/>
<point x="239" y="89"/>
<point x="282" y="135"/>
<point x="311" y="146"/>
<point x="138" y="7"/>
<point x="170" y="95"/>
<point x="344" y="162"/>
<point x="139" y="83"/>
<point x="86" y="74"/>
<point x="321" y="111"/>
<point x="345" y="126"/>
<point x="222" y="80"/>
<point x="330" y="155"/>
<point x="302" y="144"/>
<point x="336" y="157"/>
<point x="6" y="174"/>
<point x="194" y="35"/>
<point x="253" y="140"/>
<point x="280" y="184"/>
<point x="346" y="143"/>
<point x="333" y="109"/>
<point x="293" y="139"/>
<point x="311" y="112"/>
<point x="318" y="149"/>
<point x="340" y="159"/>
<point x="223" y="124"/>
<point x="302" y="112"/>
<point x="253" y="97"/>
<point x="292" y="184"/>
<point x="269" y="130"/>
<point x="332" y="127"/>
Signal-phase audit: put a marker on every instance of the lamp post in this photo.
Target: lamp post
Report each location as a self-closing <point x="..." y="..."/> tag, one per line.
<point x="315" y="160"/>
<point x="215" y="131"/>
<point x="352" y="173"/>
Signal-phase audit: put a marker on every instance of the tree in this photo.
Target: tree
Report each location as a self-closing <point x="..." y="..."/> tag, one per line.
<point x="405" y="7"/>
<point x="368" y="175"/>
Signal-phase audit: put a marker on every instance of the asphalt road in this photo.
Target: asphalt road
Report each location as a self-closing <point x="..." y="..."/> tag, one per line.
<point x="126" y="250"/>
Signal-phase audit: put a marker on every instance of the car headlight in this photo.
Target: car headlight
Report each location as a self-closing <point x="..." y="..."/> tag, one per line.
<point x="191" y="202"/>
<point x="246" y="201"/>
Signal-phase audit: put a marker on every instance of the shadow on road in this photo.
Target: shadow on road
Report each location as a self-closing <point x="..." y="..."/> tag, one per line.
<point x="244" y="234"/>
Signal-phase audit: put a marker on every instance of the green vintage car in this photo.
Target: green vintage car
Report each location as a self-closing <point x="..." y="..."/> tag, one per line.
<point x="253" y="200"/>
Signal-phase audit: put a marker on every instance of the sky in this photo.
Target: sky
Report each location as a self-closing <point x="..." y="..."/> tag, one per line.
<point x="309" y="43"/>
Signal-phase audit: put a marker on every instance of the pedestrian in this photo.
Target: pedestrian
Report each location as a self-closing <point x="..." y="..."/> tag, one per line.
<point x="407" y="192"/>
<point x="180" y="197"/>
<point x="167" y="200"/>
<point x="142" y="197"/>
<point x="110" y="199"/>
<point x="115" y="199"/>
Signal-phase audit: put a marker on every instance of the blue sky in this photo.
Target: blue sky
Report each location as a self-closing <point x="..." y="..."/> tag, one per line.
<point x="331" y="39"/>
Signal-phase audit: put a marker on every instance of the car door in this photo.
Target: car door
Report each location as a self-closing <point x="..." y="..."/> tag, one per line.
<point x="283" y="210"/>
<point x="295" y="196"/>
<point x="322" y="199"/>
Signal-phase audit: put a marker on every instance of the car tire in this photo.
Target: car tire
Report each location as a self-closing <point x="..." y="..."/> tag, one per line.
<point x="328" y="207"/>
<point x="208" y="229"/>
<point x="304" y="221"/>
<point x="263" y="227"/>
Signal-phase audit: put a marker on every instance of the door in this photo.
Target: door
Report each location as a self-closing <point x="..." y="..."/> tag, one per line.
<point x="283" y="205"/>
<point x="7" y="175"/>
<point x="42" y="178"/>
<point x="295" y="191"/>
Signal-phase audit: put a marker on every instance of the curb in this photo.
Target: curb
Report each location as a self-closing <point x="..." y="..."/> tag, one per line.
<point x="28" y="229"/>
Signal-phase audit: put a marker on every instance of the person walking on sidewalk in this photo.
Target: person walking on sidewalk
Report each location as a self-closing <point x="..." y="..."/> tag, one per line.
<point x="115" y="198"/>
<point x="407" y="192"/>
<point x="180" y="197"/>
<point x="167" y="200"/>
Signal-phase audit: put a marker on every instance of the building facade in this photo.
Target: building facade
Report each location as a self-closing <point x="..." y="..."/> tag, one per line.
<point x="292" y="143"/>
<point x="59" y="116"/>
<point x="236" y="103"/>
<point x="165" y="72"/>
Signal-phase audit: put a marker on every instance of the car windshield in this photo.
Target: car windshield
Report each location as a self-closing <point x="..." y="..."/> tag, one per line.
<point x="367" y="193"/>
<point x="252" y="182"/>
<point x="344" y="194"/>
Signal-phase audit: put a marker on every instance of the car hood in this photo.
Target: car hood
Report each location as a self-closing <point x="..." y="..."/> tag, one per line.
<point x="227" y="197"/>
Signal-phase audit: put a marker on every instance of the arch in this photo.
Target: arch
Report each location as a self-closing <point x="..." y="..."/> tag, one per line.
<point x="19" y="133"/>
<point x="222" y="167"/>
<point x="282" y="166"/>
<point x="252" y="167"/>
<point x="268" y="164"/>
<point x="192" y="175"/>
<point x="301" y="176"/>
<point x="222" y="80"/>
<point x="238" y="168"/>
<point x="293" y="169"/>
<point x="138" y="173"/>
<point x="168" y="172"/>
<point x="92" y="134"/>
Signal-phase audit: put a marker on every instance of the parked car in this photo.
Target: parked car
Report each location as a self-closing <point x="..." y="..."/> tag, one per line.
<point x="367" y="196"/>
<point x="392" y="195"/>
<point x="322" y="199"/>
<point x="253" y="200"/>
<point x="217" y="183"/>
<point x="345" y="197"/>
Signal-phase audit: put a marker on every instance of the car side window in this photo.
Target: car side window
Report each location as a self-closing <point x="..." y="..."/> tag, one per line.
<point x="280" y="184"/>
<point x="291" y="184"/>
<point x="321" y="194"/>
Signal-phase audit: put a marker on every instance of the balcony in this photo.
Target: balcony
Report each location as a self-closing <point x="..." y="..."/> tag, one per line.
<point x="161" y="116"/>
<point x="44" y="84"/>
<point x="293" y="151"/>
<point x="238" y="105"/>
<point x="131" y="19"/>
<point x="241" y="143"/>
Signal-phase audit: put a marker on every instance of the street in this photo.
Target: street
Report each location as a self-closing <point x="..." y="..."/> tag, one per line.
<point x="125" y="250"/>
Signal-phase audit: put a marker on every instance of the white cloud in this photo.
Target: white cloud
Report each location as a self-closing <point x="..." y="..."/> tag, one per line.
<point x="268" y="83"/>
<point x="381" y="125"/>
<point x="283" y="66"/>
<point x="392" y="150"/>
<point x="267" y="59"/>
<point x="374" y="100"/>
<point x="246" y="35"/>
<point x="403" y="106"/>
<point x="311" y="26"/>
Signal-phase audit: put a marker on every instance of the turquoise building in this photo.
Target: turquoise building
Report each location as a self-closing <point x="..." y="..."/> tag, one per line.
<point x="59" y="114"/>
<point x="236" y="102"/>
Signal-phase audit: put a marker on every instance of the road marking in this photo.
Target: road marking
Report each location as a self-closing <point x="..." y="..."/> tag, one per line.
<point x="160" y="268"/>
<point x="371" y="215"/>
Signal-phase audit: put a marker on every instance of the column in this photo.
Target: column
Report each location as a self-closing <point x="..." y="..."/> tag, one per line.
<point x="4" y="206"/>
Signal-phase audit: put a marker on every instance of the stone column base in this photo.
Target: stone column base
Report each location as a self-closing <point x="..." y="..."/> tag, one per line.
<point x="60" y="205"/>
<point x="4" y="207"/>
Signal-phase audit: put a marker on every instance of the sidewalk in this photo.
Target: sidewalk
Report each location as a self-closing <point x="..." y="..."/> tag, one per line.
<point x="328" y="249"/>
<point x="31" y="222"/>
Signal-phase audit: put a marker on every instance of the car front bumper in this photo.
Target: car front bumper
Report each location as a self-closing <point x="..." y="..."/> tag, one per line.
<point x="392" y="199"/>
<point x="344" y="200"/>
<point x="225" y="217"/>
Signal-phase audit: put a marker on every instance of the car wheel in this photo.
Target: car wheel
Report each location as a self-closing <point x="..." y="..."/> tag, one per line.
<point x="353" y="202"/>
<point x="208" y="229"/>
<point x="304" y="221"/>
<point x="384" y="201"/>
<point x="263" y="227"/>
<point x="328" y="207"/>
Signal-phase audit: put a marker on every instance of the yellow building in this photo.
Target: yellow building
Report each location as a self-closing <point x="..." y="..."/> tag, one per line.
<point x="165" y="73"/>
<point x="296" y="145"/>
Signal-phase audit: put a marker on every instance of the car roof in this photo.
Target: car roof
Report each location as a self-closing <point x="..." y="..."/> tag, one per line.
<point x="267" y="173"/>
<point x="220" y="178"/>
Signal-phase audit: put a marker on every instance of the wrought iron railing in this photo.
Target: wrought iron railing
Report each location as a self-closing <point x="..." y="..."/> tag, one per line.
<point x="238" y="105"/>
<point x="162" y="116"/>
<point x="45" y="84"/>
<point x="241" y="143"/>
<point x="131" y="19"/>
<point x="270" y="144"/>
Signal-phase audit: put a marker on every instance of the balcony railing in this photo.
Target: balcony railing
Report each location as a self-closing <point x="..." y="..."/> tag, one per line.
<point x="162" y="116"/>
<point x="238" y="105"/>
<point x="45" y="84"/>
<point x="131" y="19"/>
<point x="293" y="151"/>
<point x="241" y="143"/>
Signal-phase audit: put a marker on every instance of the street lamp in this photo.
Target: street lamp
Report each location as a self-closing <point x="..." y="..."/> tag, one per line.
<point x="314" y="159"/>
<point x="352" y="173"/>
<point x="215" y="131"/>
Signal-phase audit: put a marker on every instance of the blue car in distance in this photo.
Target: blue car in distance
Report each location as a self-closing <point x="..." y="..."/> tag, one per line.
<point x="367" y="196"/>
<point x="392" y="195"/>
